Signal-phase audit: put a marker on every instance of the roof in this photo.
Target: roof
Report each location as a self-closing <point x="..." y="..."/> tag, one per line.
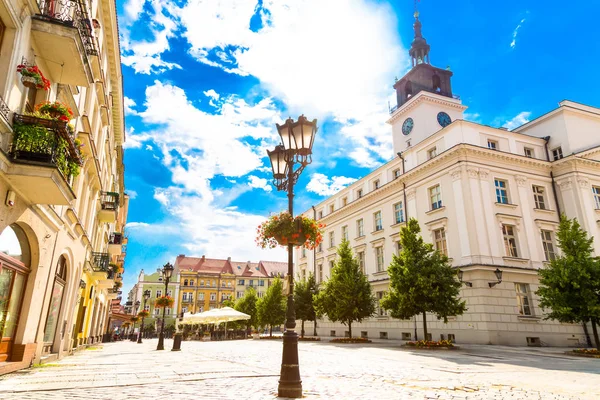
<point x="275" y="268"/>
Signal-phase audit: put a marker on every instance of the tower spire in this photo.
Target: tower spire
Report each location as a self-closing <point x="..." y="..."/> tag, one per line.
<point x="419" y="50"/>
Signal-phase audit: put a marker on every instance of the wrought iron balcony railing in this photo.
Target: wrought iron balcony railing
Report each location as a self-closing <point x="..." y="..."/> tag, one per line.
<point x="100" y="262"/>
<point x="109" y="201"/>
<point x="72" y="13"/>
<point x="4" y="110"/>
<point x="115" y="238"/>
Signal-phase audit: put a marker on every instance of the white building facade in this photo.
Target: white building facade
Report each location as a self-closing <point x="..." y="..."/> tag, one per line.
<point x="489" y="198"/>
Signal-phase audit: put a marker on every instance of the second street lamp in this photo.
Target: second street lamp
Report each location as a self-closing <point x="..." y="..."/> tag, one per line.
<point x="297" y="139"/>
<point x="146" y="297"/>
<point x="167" y="271"/>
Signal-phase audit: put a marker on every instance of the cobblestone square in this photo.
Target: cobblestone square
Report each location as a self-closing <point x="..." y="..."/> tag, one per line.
<point x="249" y="369"/>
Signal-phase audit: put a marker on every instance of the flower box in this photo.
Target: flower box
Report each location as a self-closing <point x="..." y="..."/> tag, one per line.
<point x="283" y="230"/>
<point x="350" y="340"/>
<point x="431" y="345"/>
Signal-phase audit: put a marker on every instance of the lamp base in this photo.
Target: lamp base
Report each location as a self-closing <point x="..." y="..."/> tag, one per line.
<point x="290" y="384"/>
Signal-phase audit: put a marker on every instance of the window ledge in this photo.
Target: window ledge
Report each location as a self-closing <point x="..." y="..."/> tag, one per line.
<point x="377" y="232"/>
<point x="517" y="259"/>
<point x="359" y="237"/>
<point x="545" y="210"/>
<point x="397" y="224"/>
<point x="382" y="317"/>
<point x="597" y="210"/>
<point x="509" y="205"/>
<point x="528" y="318"/>
<point x="380" y="273"/>
<point x="435" y="210"/>
<point x="331" y="247"/>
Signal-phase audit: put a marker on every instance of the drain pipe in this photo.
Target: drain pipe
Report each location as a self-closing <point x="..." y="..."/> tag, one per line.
<point x="547" y="139"/>
<point x="315" y="268"/>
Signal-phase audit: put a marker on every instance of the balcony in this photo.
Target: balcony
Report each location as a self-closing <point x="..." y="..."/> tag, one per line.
<point x="115" y="244"/>
<point x="99" y="263"/>
<point x="109" y="203"/>
<point x="63" y="33"/>
<point x="43" y="158"/>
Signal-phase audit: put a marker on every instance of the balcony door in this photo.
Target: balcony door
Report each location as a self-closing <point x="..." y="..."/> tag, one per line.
<point x="13" y="276"/>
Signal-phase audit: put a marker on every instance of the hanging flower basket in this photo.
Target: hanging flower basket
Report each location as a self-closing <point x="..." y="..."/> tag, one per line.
<point x="55" y="110"/>
<point x="164" y="302"/>
<point x="143" y="314"/>
<point x="32" y="77"/>
<point x="283" y="230"/>
<point x="134" y="319"/>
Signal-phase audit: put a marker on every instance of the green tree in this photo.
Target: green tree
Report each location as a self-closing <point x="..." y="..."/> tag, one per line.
<point x="421" y="280"/>
<point x="570" y="286"/>
<point x="247" y="305"/>
<point x="272" y="307"/>
<point x="304" y="292"/>
<point x="347" y="296"/>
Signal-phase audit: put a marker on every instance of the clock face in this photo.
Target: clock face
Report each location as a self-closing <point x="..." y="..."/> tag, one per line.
<point x="443" y="119"/>
<point x="407" y="126"/>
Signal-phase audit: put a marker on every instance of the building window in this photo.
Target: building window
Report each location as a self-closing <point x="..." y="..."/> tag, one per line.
<point x="359" y="193"/>
<point x="510" y="240"/>
<point x="538" y="197"/>
<point x="191" y="282"/>
<point x="213" y="297"/>
<point x="251" y="282"/>
<point x="201" y="283"/>
<point x="168" y="311"/>
<point x="360" y="256"/>
<point x="439" y="237"/>
<point x="376" y="184"/>
<point x="557" y="153"/>
<point x="261" y="282"/>
<point x="303" y="252"/>
<point x="398" y="213"/>
<point x="319" y="214"/>
<point x="431" y="153"/>
<point x="260" y="295"/>
<point x="360" y="228"/>
<point x="241" y="282"/>
<point x="185" y="282"/>
<point x="379" y="258"/>
<point x="157" y="311"/>
<point x="345" y="232"/>
<point x="344" y="201"/>
<point x="548" y="245"/>
<point x="147" y="307"/>
<point x="492" y="144"/>
<point x="184" y="297"/>
<point x="501" y="191"/>
<point x="435" y="195"/>
<point x="528" y="152"/>
<point x="184" y="310"/>
<point x="596" y="192"/>
<point x="2" y="29"/>
<point x="200" y="296"/>
<point x="320" y="273"/>
<point x="523" y="298"/>
<point x="331" y="208"/>
<point x="380" y="311"/>
<point x="239" y="295"/>
<point x="378" y="221"/>
<point x="320" y="247"/>
<point x="331" y="239"/>
<point x="158" y="293"/>
<point x="396" y="173"/>
<point x="398" y="247"/>
<point x="331" y="265"/>
<point x="169" y="293"/>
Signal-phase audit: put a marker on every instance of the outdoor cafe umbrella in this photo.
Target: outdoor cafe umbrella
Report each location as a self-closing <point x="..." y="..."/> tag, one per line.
<point x="219" y="315"/>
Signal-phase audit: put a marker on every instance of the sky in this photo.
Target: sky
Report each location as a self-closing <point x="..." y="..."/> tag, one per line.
<point x="207" y="80"/>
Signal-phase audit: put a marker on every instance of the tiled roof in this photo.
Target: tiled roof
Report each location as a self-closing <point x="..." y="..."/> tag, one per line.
<point x="274" y="268"/>
<point x="223" y="266"/>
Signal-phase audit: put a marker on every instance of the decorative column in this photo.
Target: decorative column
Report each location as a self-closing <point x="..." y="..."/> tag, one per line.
<point x="493" y="231"/>
<point x="461" y="217"/>
<point x="531" y="247"/>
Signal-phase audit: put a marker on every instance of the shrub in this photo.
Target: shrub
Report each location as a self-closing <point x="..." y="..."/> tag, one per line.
<point x="350" y="340"/>
<point x="430" y="344"/>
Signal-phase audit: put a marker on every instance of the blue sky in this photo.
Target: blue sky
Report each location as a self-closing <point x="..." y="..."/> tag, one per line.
<point x="206" y="81"/>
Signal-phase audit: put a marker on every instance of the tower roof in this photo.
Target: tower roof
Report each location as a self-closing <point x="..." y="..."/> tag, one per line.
<point x="419" y="49"/>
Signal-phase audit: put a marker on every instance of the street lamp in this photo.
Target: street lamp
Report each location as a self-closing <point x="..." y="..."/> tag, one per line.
<point x="460" y="279"/>
<point x="297" y="139"/>
<point x="146" y="297"/>
<point x="498" y="274"/>
<point x="167" y="271"/>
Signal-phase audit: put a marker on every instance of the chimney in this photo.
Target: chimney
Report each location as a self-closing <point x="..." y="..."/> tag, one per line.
<point x="203" y="258"/>
<point x="229" y="259"/>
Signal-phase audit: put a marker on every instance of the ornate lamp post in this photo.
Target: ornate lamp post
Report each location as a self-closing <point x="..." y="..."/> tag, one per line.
<point x="296" y="149"/>
<point x="146" y="297"/>
<point x="167" y="271"/>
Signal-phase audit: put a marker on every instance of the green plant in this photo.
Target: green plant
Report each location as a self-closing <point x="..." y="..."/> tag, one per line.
<point x="35" y="73"/>
<point x="143" y="314"/>
<point x="430" y="343"/>
<point x="282" y="229"/>
<point x="164" y="302"/>
<point x="37" y="139"/>
<point x="56" y="110"/>
<point x="350" y="340"/>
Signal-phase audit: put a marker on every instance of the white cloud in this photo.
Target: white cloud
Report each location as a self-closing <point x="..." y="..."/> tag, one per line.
<point x="129" y="104"/>
<point x="133" y="8"/>
<point x="474" y="117"/>
<point x="324" y="186"/>
<point x="149" y="147"/>
<point x="136" y="225"/>
<point x="259" y="183"/>
<point x="212" y="94"/>
<point x="515" y="33"/>
<point x="364" y="158"/>
<point x="132" y="194"/>
<point x="520" y="119"/>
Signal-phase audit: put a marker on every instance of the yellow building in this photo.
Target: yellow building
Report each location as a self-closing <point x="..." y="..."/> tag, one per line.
<point x="204" y="283"/>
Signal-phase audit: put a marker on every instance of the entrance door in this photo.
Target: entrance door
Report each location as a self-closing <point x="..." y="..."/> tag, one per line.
<point x="11" y="291"/>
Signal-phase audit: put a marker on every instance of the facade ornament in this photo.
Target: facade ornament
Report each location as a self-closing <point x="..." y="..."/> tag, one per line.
<point x="410" y="194"/>
<point x="565" y="185"/>
<point x="484" y="173"/>
<point x="456" y="174"/>
<point x="521" y="180"/>
<point x="472" y="172"/>
<point x="583" y="183"/>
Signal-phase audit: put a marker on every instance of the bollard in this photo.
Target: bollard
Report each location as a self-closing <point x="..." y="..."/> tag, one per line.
<point x="176" y="342"/>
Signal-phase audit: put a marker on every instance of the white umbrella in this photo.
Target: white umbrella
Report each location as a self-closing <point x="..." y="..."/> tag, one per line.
<point x="218" y="315"/>
<point x="189" y="318"/>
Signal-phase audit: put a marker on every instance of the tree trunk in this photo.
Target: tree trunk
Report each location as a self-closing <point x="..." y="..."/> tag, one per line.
<point x="315" y="328"/>
<point x="270" y="330"/>
<point x="595" y="330"/>
<point x="424" y="325"/>
<point x="587" y="334"/>
<point x="302" y="331"/>
<point x="350" y="329"/>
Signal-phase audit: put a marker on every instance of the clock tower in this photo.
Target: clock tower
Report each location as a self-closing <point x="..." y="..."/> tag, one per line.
<point x="424" y="95"/>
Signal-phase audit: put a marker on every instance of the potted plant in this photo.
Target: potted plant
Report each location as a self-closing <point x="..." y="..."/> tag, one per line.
<point x="32" y="77"/>
<point x="143" y="314"/>
<point x="282" y="229"/>
<point x="164" y="302"/>
<point x="55" y="110"/>
<point x="118" y="285"/>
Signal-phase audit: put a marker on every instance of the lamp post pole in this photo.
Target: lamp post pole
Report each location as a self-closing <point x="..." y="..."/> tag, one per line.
<point x="146" y="297"/>
<point x="136" y="308"/>
<point x="166" y="272"/>
<point x="297" y="140"/>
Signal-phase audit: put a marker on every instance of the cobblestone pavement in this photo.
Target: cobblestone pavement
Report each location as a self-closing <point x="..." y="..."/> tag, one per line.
<point x="249" y="370"/>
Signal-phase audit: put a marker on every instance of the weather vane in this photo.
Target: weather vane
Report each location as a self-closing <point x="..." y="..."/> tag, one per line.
<point x="417" y="9"/>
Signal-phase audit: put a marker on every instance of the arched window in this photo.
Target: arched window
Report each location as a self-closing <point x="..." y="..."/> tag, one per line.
<point x="185" y="282"/>
<point x="14" y="269"/>
<point x="192" y="282"/>
<point x="408" y="89"/>
<point x="437" y="84"/>
<point x="52" y="320"/>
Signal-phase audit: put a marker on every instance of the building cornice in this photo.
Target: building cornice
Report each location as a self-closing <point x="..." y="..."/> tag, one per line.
<point x="423" y="97"/>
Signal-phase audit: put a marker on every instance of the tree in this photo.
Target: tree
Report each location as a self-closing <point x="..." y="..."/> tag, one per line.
<point x="272" y="307"/>
<point x="247" y="305"/>
<point x="570" y="286"/>
<point x="421" y="280"/>
<point x="304" y="292"/>
<point x="347" y="296"/>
